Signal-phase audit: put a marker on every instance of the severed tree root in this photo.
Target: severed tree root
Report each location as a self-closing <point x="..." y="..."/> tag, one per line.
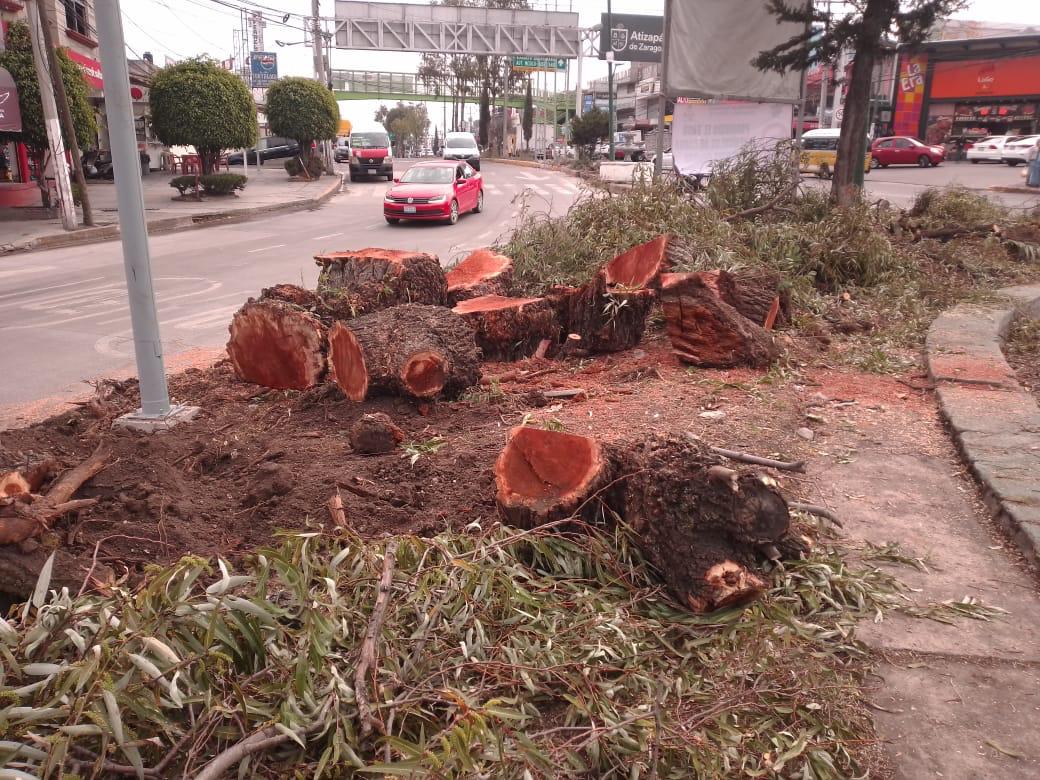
<point x="369" y="650"/>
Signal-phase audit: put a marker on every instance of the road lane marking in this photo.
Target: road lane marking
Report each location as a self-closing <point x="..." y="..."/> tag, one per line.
<point x="162" y="310"/>
<point x="19" y="271"/>
<point x="327" y="235"/>
<point x="50" y="287"/>
<point x="264" y="249"/>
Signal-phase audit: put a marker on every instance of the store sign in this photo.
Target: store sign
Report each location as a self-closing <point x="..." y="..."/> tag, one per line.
<point x="632" y="37"/>
<point x="1007" y="77"/>
<point x="532" y="64"/>
<point x="10" y="113"/>
<point x="91" y="68"/>
<point x="263" y="68"/>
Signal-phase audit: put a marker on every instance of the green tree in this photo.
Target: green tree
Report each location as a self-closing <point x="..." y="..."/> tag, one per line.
<point x="527" y="119"/>
<point x="588" y="129"/>
<point x="196" y="103"/>
<point x="864" y="31"/>
<point x="408" y="123"/>
<point x="436" y="146"/>
<point x="18" y="60"/>
<point x="304" y="110"/>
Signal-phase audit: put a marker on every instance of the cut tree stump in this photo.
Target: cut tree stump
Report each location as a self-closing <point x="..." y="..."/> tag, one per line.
<point x="702" y="525"/>
<point x="509" y="328"/>
<point x="482" y="273"/>
<point x="608" y="319"/>
<point x="375" y="434"/>
<point x="640" y="266"/>
<point x="411" y="350"/>
<point x="373" y="279"/>
<point x="707" y="331"/>
<point x="543" y="476"/>
<point x="754" y="293"/>
<point x="277" y="345"/>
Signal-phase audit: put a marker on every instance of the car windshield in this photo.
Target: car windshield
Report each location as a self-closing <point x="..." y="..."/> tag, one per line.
<point x="460" y="143"/>
<point x="429" y="175"/>
<point x="370" y="140"/>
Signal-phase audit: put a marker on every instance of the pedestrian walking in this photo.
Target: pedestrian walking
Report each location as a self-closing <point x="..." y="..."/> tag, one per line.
<point x="1033" y="162"/>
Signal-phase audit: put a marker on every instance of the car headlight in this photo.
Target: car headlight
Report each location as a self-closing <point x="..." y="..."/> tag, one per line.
<point x="438" y="199"/>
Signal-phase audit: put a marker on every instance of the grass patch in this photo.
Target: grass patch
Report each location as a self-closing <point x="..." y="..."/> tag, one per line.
<point x="504" y="654"/>
<point x="935" y="208"/>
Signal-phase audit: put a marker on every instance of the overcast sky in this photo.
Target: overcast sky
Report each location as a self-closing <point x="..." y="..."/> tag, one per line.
<point x="186" y="28"/>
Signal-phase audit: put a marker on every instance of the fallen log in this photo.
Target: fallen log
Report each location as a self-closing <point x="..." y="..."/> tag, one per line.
<point x="608" y="319"/>
<point x="482" y="273"/>
<point x="277" y="345"/>
<point x="20" y="566"/>
<point x="26" y="515"/>
<point x="375" y="434"/>
<point x="707" y="331"/>
<point x="375" y="279"/>
<point x="509" y="328"/>
<point x="640" y="266"/>
<point x="411" y="350"/>
<point x="702" y="525"/>
<point x="13" y="483"/>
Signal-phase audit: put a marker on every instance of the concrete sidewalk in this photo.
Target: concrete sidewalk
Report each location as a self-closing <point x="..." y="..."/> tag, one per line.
<point x="269" y="192"/>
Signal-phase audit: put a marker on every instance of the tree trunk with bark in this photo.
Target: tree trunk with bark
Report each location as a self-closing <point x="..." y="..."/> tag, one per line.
<point x="705" y="330"/>
<point x="412" y="350"/>
<point x="374" y="278"/>
<point x="278" y="345"/>
<point x="375" y="434"/>
<point x="608" y="319"/>
<point x="703" y="525"/>
<point x="509" y="328"/>
<point x="757" y="294"/>
<point x="482" y="273"/>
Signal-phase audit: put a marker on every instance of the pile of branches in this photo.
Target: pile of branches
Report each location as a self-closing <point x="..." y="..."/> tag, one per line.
<point x="497" y="653"/>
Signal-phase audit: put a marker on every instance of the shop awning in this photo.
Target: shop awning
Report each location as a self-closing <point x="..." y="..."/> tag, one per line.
<point x="10" y="113"/>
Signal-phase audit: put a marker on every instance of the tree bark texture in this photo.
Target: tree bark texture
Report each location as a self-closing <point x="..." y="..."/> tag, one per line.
<point x="482" y="273"/>
<point x="608" y="319"/>
<point x="375" y="279"/>
<point x="277" y="345"/>
<point x="375" y="434"/>
<point x="703" y="525"/>
<point x="754" y="293"/>
<point x="509" y="328"/>
<point x="412" y="350"/>
<point x="707" y="331"/>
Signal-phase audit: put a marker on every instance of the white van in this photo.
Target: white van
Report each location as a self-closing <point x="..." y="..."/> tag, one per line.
<point x="461" y="146"/>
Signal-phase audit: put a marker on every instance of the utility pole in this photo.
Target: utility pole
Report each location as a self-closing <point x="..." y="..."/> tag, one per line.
<point x="155" y="412"/>
<point x="610" y="82"/>
<point x="50" y="119"/>
<point x="659" y="159"/>
<point x="62" y="100"/>
<point x="825" y="75"/>
<point x="320" y="74"/>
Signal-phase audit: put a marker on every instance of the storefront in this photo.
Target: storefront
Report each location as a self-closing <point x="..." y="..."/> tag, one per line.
<point x="965" y="89"/>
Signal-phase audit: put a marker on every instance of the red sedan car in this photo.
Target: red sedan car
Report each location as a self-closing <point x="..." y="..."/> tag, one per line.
<point x="903" y="150"/>
<point x="439" y="191"/>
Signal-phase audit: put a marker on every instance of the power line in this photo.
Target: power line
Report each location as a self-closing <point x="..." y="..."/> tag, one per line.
<point x="187" y="27"/>
<point x="148" y="35"/>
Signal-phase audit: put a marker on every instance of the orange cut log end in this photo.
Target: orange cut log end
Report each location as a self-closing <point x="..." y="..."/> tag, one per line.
<point x="544" y="475"/>
<point x="425" y="374"/>
<point x="640" y="266"/>
<point x="347" y="363"/>
<point x="482" y="273"/>
<point x="12" y="484"/>
<point x="277" y="346"/>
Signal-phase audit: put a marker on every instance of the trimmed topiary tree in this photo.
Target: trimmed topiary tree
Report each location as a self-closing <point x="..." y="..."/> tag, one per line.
<point x="304" y="110"/>
<point x="18" y="60"/>
<point x="196" y="103"/>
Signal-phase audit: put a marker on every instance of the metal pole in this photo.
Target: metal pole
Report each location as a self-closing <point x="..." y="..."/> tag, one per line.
<point x="610" y="82"/>
<point x="133" y="231"/>
<point x="50" y="120"/>
<point x="577" y="83"/>
<point x="65" y="113"/>
<point x="663" y="108"/>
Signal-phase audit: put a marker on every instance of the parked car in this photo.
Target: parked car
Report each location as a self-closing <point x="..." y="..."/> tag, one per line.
<point x="270" y="148"/>
<point x="436" y="191"/>
<point x="667" y="160"/>
<point x="461" y="146"/>
<point x="990" y="149"/>
<point x="819" y="153"/>
<point x="342" y="151"/>
<point x="370" y="153"/>
<point x="904" y="150"/>
<point x="1014" y="152"/>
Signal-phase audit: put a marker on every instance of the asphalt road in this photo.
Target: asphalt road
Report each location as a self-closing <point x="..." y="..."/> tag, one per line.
<point x="64" y="317"/>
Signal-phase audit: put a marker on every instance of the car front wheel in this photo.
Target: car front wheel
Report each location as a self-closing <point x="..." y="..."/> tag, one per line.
<point x="875" y="162"/>
<point x="480" y="203"/>
<point x="1012" y="163"/>
<point x="392" y="220"/>
<point x="923" y="161"/>
<point x="974" y="162"/>
<point x="453" y="213"/>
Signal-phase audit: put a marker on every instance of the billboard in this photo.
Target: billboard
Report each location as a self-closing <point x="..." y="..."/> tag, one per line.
<point x="631" y="37"/>
<point x="1007" y="77"/>
<point x="532" y="64"/>
<point x="263" y="68"/>
<point x="705" y="132"/>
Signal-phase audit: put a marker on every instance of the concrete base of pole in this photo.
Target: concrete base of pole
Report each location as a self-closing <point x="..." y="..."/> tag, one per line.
<point x="136" y="421"/>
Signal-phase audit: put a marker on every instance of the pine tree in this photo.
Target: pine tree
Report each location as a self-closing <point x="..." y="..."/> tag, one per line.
<point x="527" y="120"/>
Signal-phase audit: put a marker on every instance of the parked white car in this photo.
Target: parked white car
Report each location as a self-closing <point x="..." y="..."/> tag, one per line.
<point x="990" y="148"/>
<point x="1014" y="152"/>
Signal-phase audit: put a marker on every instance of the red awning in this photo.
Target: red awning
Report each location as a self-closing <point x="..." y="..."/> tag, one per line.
<point x="91" y="68"/>
<point x="10" y="113"/>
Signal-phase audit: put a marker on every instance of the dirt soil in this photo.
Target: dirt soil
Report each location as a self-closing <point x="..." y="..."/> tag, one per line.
<point x="1022" y="350"/>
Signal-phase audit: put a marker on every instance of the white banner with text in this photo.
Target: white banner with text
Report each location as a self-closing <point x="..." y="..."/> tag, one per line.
<point x="705" y="132"/>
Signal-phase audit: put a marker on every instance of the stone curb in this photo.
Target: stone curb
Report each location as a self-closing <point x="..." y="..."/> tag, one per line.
<point x="1021" y="190"/>
<point x="174" y="224"/>
<point x="994" y="421"/>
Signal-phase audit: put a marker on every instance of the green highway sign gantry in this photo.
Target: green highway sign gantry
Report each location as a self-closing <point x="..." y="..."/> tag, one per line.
<point x="539" y="63"/>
